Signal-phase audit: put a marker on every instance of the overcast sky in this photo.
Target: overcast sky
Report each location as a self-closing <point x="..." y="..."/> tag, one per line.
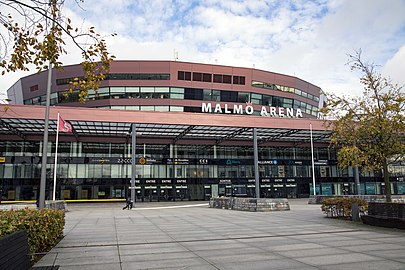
<point x="306" y="39"/>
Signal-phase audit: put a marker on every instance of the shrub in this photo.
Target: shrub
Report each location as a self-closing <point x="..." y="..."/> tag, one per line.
<point x="44" y="227"/>
<point x="342" y="207"/>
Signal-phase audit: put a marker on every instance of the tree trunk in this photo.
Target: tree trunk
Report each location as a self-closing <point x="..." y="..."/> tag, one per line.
<point x="387" y="181"/>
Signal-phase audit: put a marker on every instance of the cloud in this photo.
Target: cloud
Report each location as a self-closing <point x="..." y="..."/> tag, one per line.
<point x="395" y="67"/>
<point x="307" y="39"/>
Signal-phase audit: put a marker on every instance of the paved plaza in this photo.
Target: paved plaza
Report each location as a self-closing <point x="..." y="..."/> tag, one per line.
<point x="189" y="235"/>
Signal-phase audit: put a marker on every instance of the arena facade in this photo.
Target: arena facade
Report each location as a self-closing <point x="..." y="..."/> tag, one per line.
<point x="195" y="128"/>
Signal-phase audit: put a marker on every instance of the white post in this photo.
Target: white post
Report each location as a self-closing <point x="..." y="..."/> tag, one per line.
<point x="56" y="160"/>
<point x="313" y="163"/>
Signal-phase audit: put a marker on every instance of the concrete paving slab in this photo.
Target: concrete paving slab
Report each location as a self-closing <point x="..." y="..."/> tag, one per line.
<point x="164" y="264"/>
<point x="337" y="259"/>
<point x="376" y="246"/>
<point x="103" y="266"/>
<point x="374" y="265"/>
<point x="310" y="252"/>
<point x="241" y="258"/>
<point x="151" y="248"/>
<point x="269" y="264"/>
<point x="153" y="236"/>
<point x="156" y="256"/>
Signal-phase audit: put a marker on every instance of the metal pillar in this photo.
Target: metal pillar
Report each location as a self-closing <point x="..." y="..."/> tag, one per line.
<point x="133" y="163"/>
<point x="357" y="180"/>
<point x="41" y="202"/>
<point x="313" y="162"/>
<point x="256" y="161"/>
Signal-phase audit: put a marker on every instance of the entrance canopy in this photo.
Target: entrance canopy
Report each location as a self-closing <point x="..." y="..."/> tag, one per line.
<point x="27" y="122"/>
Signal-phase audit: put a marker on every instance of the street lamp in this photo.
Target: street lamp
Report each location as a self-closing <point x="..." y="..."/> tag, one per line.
<point x="41" y="202"/>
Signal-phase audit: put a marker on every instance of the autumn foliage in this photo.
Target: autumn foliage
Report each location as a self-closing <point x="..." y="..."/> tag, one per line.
<point x="36" y="34"/>
<point x="369" y="130"/>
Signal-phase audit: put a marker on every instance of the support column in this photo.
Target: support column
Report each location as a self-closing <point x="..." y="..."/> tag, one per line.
<point x="133" y="171"/>
<point x="256" y="163"/>
<point x="312" y="159"/>
<point x="42" y="184"/>
<point x="357" y="179"/>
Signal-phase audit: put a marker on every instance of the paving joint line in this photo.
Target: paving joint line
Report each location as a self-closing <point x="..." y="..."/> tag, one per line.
<point x="212" y="239"/>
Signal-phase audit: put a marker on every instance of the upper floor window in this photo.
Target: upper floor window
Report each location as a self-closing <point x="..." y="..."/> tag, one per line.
<point x="34" y="88"/>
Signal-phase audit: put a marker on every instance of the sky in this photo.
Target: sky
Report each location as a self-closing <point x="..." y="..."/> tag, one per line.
<point x="307" y="39"/>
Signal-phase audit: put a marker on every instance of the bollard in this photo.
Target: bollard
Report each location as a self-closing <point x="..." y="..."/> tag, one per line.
<point x="355" y="212"/>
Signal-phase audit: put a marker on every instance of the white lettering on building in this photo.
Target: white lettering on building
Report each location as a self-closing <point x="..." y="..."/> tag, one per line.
<point x="248" y="109"/>
<point x="206" y="107"/>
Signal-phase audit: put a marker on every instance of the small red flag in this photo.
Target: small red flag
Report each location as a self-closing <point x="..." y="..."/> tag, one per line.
<point x="64" y="126"/>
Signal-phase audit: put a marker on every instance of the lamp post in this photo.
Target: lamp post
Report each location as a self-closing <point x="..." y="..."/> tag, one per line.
<point x="41" y="202"/>
<point x="312" y="158"/>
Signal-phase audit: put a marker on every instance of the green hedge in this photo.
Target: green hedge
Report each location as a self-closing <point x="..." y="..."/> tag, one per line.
<point x="342" y="207"/>
<point x="44" y="227"/>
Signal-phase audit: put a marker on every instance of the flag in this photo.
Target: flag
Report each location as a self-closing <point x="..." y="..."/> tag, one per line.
<point x="64" y="126"/>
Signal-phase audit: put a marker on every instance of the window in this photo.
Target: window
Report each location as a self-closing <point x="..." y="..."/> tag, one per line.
<point x="277" y="102"/>
<point x="257" y="84"/>
<point x="207" y="77"/>
<point x="242" y="80"/>
<point x="176" y="108"/>
<point x="287" y="103"/>
<point x="243" y="97"/>
<point x="229" y="96"/>
<point x="256" y="98"/>
<point x="217" y="78"/>
<point x="162" y="108"/>
<point x="184" y="76"/>
<point x="216" y="95"/>
<point x="207" y="94"/>
<point x="117" y="92"/>
<point x="132" y="92"/>
<point x="197" y="76"/>
<point x="226" y="78"/>
<point x="193" y="94"/>
<point x="34" y="88"/>
<point x="266" y="100"/>
<point x="180" y="75"/>
<point x="161" y="92"/>
<point x="176" y="93"/>
<point x="238" y="80"/>
<point x="103" y="92"/>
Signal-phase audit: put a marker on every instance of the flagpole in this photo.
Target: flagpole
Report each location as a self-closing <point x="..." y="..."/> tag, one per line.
<point x="312" y="158"/>
<point x="56" y="160"/>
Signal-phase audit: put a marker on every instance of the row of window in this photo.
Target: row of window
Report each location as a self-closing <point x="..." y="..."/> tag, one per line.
<point x="124" y="76"/>
<point x="90" y="171"/>
<point x="285" y="89"/>
<point x="179" y="93"/>
<point x="93" y="149"/>
<point x="208" y="77"/>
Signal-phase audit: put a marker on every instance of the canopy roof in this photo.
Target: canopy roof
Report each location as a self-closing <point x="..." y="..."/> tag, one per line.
<point x="27" y="122"/>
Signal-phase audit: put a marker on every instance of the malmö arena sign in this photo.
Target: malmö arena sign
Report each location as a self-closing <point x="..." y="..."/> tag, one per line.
<point x="248" y="109"/>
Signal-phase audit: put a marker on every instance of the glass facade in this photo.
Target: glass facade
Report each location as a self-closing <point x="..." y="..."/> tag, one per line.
<point x="180" y="172"/>
<point x="177" y="93"/>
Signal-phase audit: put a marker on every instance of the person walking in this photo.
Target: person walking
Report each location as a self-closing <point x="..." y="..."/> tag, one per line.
<point x="128" y="204"/>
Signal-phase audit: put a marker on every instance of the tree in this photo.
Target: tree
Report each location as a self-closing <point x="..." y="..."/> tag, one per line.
<point x="369" y="131"/>
<point x="35" y="32"/>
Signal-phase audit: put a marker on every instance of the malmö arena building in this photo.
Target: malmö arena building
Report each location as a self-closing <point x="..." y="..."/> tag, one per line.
<point x="195" y="126"/>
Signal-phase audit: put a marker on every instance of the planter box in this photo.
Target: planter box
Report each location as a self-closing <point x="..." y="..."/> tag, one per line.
<point x="250" y="204"/>
<point x="391" y="215"/>
<point x="14" y="251"/>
